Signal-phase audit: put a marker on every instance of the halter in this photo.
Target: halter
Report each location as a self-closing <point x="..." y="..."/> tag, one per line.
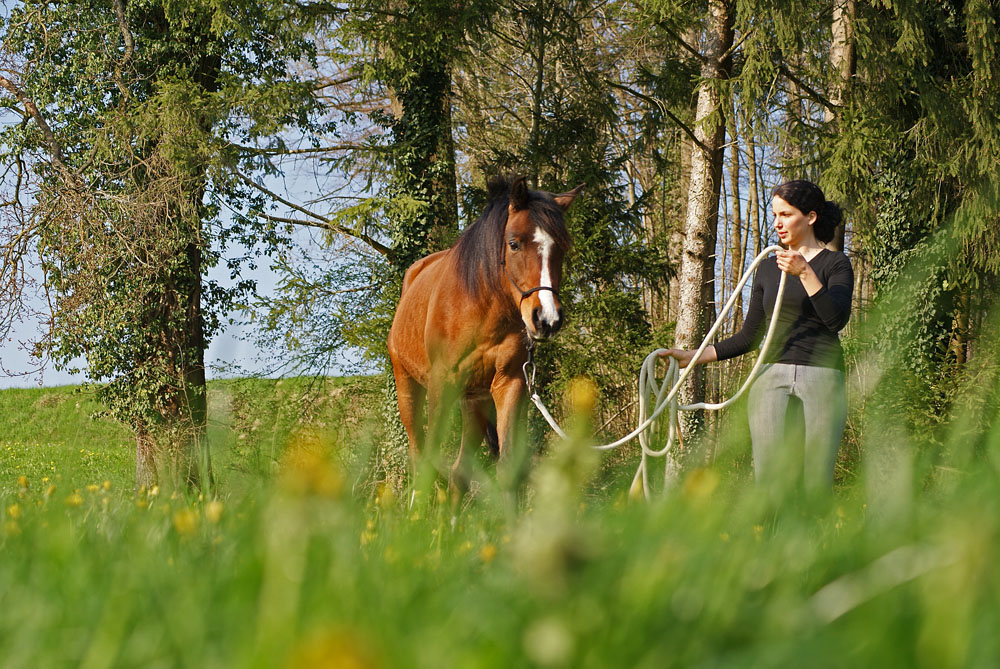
<point x="524" y="293"/>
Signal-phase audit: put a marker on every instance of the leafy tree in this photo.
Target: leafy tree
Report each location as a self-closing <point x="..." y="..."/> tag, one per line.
<point x="138" y="124"/>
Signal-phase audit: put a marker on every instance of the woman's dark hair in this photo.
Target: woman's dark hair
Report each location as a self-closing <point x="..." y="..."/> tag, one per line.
<point x="807" y="196"/>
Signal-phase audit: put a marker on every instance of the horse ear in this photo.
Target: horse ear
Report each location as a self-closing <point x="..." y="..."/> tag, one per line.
<point x="518" y="194"/>
<point x="564" y="200"/>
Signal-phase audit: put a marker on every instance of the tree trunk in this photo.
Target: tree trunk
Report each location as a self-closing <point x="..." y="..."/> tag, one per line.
<point x="842" y="61"/>
<point x="753" y="203"/>
<point x="737" y="250"/>
<point x="537" y="91"/>
<point x="675" y="250"/>
<point x="146" y="474"/>
<point x="697" y="270"/>
<point x="425" y="164"/>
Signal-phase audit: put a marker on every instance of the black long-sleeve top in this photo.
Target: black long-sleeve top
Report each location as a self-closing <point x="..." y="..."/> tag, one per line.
<point x="807" y="326"/>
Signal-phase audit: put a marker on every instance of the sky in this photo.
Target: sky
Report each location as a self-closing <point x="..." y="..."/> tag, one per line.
<point x="233" y="346"/>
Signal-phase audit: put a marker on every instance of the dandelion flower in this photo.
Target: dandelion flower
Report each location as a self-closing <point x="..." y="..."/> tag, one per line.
<point x="487" y="553"/>
<point x="213" y="511"/>
<point x="14" y="511"/>
<point x="185" y="522"/>
<point x="74" y="500"/>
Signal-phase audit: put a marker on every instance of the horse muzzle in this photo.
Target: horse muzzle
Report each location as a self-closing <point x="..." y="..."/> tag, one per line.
<point x="542" y="327"/>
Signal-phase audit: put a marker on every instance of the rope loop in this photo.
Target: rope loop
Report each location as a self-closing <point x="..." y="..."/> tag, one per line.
<point x="654" y="397"/>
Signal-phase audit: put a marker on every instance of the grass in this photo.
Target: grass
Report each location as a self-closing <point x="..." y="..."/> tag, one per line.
<point x="294" y="564"/>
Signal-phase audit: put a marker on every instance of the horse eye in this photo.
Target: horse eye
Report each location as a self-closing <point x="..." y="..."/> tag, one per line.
<point x="514" y="246"/>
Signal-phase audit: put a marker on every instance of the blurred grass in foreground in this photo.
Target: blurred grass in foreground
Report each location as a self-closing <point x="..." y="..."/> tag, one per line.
<point x="291" y="565"/>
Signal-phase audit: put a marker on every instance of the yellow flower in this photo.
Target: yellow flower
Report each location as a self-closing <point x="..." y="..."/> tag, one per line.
<point x="343" y="648"/>
<point x="74" y="500"/>
<point x="93" y="487"/>
<point x="385" y="498"/>
<point x="185" y="522"/>
<point x="487" y="553"/>
<point x="14" y="511"/>
<point x="106" y="485"/>
<point x="307" y="467"/>
<point x="582" y="396"/>
<point x="213" y="511"/>
<point x="701" y="483"/>
<point x="22" y="481"/>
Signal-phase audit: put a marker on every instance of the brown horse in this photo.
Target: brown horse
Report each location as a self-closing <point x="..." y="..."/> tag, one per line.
<point x="465" y="315"/>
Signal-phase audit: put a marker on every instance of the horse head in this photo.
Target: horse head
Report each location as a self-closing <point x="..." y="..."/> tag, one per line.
<point x="535" y="243"/>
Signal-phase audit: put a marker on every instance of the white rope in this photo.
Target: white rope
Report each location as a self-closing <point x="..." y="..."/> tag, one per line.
<point x="674" y="379"/>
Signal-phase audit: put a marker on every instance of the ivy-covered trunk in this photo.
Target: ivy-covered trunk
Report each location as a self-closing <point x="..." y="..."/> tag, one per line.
<point x="425" y="165"/>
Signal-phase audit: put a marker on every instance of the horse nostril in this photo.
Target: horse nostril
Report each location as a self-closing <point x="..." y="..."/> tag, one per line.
<point x="536" y="317"/>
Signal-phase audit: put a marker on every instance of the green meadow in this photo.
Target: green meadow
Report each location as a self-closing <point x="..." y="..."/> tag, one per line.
<point x="296" y="556"/>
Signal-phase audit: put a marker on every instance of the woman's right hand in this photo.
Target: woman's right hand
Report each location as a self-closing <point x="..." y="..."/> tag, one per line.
<point x="682" y="356"/>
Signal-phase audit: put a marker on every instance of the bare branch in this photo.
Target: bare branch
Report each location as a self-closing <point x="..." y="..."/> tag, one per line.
<point x="347" y="146"/>
<point x="812" y="93"/>
<point x="55" y="150"/>
<point x="129" y="47"/>
<point x="250" y="182"/>
<point x="333" y="227"/>
<point x="323" y="222"/>
<point x="663" y="108"/>
<point x="681" y="41"/>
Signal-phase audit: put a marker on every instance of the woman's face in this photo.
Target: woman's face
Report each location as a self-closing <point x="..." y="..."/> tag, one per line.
<point x="793" y="227"/>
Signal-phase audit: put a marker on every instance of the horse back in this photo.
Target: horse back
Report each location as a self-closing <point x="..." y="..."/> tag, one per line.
<point x="407" y="340"/>
<point x="418" y="267"/>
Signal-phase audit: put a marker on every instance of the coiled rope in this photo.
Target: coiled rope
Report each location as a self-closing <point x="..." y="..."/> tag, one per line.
<point x="651" y="389"/>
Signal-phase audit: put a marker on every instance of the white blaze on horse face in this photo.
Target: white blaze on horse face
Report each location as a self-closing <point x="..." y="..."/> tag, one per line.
<point x="550" y="314"/>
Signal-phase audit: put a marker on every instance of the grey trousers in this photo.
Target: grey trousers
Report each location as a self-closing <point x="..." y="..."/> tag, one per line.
<point x="812" y="397"/>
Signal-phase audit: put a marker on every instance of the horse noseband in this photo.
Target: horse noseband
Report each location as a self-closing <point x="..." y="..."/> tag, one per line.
<point x="525" y="293"/>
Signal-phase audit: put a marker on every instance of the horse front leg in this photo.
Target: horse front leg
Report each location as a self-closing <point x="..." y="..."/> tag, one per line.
<point x="509" y="397"/>
<point x="411" y="398"/>
<point x="474" y="428"/>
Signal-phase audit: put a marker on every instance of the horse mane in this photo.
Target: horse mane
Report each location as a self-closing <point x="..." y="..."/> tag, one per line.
<point x="479" y="250"/>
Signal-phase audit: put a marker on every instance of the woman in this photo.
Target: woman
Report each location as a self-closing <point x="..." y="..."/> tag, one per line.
<point x="806" y="361"/>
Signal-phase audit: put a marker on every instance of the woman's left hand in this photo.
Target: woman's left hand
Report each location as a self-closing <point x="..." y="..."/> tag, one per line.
<point x="792" y="262"/>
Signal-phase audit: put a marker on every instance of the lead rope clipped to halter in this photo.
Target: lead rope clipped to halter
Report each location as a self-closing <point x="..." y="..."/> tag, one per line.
<point x="674" y="379"/>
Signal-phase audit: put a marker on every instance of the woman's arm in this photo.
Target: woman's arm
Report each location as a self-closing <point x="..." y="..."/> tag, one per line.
<point x="832" y="300"/>
<point x="745" y="340"/>
<point x="684" y="356"/>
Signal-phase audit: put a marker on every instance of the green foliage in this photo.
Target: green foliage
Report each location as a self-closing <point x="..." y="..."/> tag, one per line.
<point x="919" y="121"/>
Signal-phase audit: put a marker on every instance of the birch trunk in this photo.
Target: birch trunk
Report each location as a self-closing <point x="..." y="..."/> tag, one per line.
<point x="842" y="61"/>
<point x="737" y="249"/>
<point x="697" y="269"/>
